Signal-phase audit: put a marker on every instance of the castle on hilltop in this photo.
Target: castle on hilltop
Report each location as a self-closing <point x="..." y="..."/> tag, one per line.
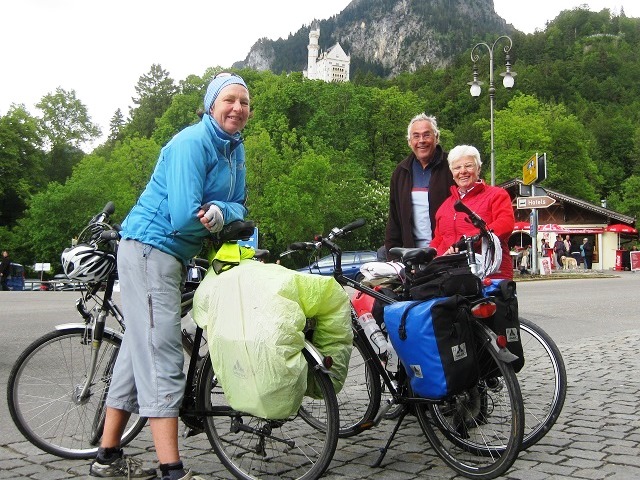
<point x="330" y="66"/>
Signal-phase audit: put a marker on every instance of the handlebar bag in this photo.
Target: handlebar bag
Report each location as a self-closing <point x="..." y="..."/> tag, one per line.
<point x="443" y="277"/>
<point x="506" y="321"/>
<point x="434" y="342"/>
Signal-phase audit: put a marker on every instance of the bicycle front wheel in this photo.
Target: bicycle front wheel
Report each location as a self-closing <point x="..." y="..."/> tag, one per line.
<point x="253" y="448"/>
<point x="44" y="387"/>
<point x="478" y="433"/>
<point x="543" y="382"/>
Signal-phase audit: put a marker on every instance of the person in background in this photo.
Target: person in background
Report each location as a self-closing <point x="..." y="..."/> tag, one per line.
<point x="419" y="185"/>
<point x="559" y="249"/>
<point x="586" y="250"/>
<point x="492" y="204"/>
<point x="525" y="260"/>
<point x="567" y="244"/>
<point x="197" y="186"/>
<point x="5" y="270"/>
<point x="544" y="248"/>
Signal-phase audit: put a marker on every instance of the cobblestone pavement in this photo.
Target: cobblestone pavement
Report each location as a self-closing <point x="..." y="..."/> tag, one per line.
<point x="596" y="437"/>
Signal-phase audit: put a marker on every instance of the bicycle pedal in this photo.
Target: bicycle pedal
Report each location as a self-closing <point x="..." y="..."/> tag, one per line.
<point x="191" y="432"/>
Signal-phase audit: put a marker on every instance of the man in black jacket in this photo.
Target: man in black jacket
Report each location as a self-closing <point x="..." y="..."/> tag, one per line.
<point x="5" y="270"/>
<point x="419" y="185"/>
<point x="587" y="253"/>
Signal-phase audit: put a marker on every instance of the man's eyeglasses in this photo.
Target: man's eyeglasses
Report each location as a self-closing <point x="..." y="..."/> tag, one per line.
<point x="423" y="136"/>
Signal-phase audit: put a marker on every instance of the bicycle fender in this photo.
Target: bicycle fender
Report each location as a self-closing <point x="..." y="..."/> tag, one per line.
<point x="311" y="349"/>
<point x="71" y="326"/>
<point x="490" y="336"/>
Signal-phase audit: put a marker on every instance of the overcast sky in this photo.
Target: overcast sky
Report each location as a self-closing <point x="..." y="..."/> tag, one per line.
<point x="101" y="48"/>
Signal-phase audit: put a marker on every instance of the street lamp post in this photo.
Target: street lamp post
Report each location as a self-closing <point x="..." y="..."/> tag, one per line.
<point x="507" y="81"/>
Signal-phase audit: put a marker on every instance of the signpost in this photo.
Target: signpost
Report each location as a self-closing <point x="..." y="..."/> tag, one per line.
<point x="534" y="171"/>
<point x="42" y="267"/>
<point x="535" y="202"/>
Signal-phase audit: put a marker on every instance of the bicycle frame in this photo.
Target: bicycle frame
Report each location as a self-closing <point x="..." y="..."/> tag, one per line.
<point x="489" y="336"/>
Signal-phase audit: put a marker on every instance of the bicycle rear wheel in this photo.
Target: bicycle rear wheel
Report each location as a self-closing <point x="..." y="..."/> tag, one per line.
<point x="256" y="448"/>
<point x="43" y="387"/>
<point x="543" y="382"/>
<point x="478" y="433"/>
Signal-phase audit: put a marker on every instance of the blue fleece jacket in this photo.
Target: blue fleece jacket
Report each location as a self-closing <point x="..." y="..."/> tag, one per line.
<point x="201" y="164"/>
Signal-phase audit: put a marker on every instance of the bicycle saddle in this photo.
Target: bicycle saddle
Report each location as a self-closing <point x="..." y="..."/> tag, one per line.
<point x="414" y="256"/>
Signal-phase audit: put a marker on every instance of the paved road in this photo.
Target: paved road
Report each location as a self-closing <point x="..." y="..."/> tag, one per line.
<point x="594" y="321"/>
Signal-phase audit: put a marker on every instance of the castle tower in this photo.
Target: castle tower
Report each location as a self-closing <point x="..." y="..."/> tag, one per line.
<point x="313" y="49"/>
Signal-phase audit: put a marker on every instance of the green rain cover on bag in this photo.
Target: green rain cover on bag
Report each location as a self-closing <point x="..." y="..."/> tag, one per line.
<point x="254" y="315"/>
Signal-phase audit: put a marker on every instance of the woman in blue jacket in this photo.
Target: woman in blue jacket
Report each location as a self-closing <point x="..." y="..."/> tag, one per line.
<point x="197" y="186"/>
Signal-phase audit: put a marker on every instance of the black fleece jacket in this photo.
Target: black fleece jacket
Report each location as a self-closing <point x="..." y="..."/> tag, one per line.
<point x="399" y="231"/>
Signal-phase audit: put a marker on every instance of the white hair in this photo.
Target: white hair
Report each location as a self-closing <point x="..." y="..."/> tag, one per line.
<point x="423" y="117"/>
<point x="460" y="151"/>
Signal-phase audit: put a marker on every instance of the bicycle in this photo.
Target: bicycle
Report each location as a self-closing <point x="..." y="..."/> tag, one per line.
<point x="542" y="380"/>
<point x="58" y="386"/>
<point x="477" y="439"/>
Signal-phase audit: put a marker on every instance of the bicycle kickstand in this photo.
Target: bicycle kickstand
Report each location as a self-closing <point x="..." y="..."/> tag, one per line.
<point x="383" y="450"/>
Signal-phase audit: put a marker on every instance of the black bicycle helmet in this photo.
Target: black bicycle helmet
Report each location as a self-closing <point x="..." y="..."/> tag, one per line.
<point x="86" y="263"/>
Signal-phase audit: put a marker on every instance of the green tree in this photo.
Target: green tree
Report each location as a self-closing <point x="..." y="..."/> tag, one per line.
<point x="614" y="135"/>
<point x="60" y="161"/>
<point x="528" y="127"/>
<point x="60" y="212"/>
<point x="627" y="199"/>
<point x="65" y="120"/>
<point x="154" y="90"/>
<point x="21" y="162"/>
<point x="115" y="126"/>
<point x="181" y="113"/>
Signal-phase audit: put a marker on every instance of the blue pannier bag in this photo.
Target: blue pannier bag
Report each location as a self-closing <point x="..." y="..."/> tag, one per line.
<point x="434" y="342"/>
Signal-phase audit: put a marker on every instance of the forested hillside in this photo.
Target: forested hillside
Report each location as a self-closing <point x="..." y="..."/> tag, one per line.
<point x="320" y="155"/>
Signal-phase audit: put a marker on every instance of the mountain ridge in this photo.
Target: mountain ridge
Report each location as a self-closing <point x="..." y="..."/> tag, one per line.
<point x="387" y="37"/>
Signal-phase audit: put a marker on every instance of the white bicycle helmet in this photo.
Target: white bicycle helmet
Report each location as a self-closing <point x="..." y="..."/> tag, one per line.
<point x="85" y="263"/>
<point x="490" y="259"/>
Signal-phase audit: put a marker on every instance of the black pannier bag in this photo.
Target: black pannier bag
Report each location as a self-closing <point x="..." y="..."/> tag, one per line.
<point x="445" y="276"/>
<point x="378" y="306"/>
<point x="434" y="341"/>
<point x="505" y="321"/>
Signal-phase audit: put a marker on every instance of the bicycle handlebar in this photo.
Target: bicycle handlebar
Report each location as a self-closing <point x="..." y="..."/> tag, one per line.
<point x="339" y="232"/>
<point x="466" y="241"/>
<point x="302" y="246"/>
<point x="108" y="235"/>
<point x="104" y="215"/>
<point x="474" y="218"/>
<point x="326" y="241"/>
